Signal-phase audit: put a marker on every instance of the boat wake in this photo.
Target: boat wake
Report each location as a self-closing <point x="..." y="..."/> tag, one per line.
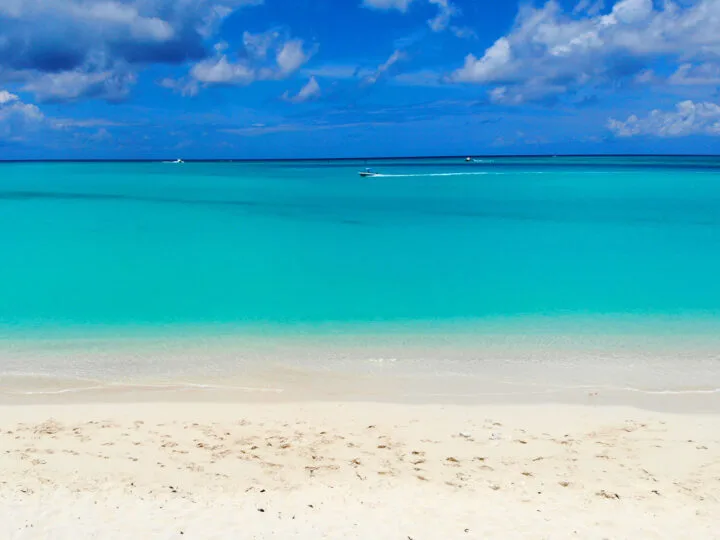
<point x="421" y="175"/>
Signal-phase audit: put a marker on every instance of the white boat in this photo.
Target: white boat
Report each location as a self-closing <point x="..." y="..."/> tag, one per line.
<point x="367" y="172"/>
<point x="178" y="161"/>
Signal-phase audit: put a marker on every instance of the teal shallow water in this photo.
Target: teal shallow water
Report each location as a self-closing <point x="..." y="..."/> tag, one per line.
<point x="153" y="243"/>
<point x="309" y="247"/>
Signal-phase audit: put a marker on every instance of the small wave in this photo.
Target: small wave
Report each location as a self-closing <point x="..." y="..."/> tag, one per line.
<point x="183" y="386"/>
<point x="180" y="386"/>
<point x="611" y="388"/>
<point x="382" y="360"/>
<point x="548" y="387"/>
<point x="562" y="391"/>
<point x="665" y="392"/>
<point x="53" y="392"/>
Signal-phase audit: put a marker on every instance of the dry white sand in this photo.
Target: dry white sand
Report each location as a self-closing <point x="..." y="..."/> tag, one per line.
<point x="356" y="470"/>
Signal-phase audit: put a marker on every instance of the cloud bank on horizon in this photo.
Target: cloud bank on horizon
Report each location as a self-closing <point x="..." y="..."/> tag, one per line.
<point x="240" y="77"/>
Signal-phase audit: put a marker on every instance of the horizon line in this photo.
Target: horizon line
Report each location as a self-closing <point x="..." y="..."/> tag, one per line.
<point x="357" y="158"/>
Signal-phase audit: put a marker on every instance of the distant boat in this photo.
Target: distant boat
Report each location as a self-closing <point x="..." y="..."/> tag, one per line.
<point x="367" y="172"/>
<point x="178" y="161"/>
<point x="468" y="159"/>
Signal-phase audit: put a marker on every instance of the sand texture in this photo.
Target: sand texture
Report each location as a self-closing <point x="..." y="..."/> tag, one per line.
<point x="355" y="470"/>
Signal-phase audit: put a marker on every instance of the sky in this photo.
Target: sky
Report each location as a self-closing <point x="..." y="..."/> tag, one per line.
<point x="255" y="79"/>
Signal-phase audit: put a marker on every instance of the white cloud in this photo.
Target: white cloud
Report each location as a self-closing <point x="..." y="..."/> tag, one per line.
<point x="20" y="120"/>
<point x="17" y="117"/>
<point x="589" y="7"/>
<point x="220" y="70"/>
<point x="153" y="19"/>
<point x="127" y="16"/>
<point x="494" y="65"/>
<point x="536" y="90"/>
<point x="703" y="74"/>
<point x="262" y="129"/>
<point x="308" y="92"/>
<point x="258" y="45"/>
<point x="385" y="68"/>
<point x="588" y="48"/>
<point x="73" y="49"/>
<point x="267" y="56"/>
<point x="183" y="86"/>
<point x="446" y="11"/>
<point x="71" y="123"/>
<point x="688" y="118"/>
<point x="292" y="56"/>
<point x="6" y="97"/>
<point x="76" y="84"/>
<point x="112" y="16"/>
<point x="101" y="135"/>
<point x="400" y="5"/>
<point x="463" y="32"/>
<point x="439" y="23"/>
<point x="646" y="76"/>
<point x="630" y="11"/>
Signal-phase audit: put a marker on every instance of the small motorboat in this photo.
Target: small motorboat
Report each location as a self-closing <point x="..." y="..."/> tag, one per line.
<point x="367" y="172"/>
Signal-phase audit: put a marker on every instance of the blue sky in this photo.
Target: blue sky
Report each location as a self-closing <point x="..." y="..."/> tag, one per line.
<point x="331" y="78"/>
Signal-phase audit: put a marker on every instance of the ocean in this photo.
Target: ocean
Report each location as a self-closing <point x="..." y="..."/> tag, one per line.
<point x="113" y="271"/>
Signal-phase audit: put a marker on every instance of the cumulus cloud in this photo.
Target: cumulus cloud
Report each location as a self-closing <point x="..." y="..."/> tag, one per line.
<point x="548" y="47"/>
<point x="49" y="43"/>
<point x="292" y="56"/>
<point x="6" y="97"/>
<point x="446" y="11"/>
<point x="17" y="117"/>
<point x="268" y="56"/>
<point x="688" y="118"/>
<point x="220" y="70"/>
<point x="72" y="85"/>
<point x="307" y="93"/>
<point x="494" y="66"/>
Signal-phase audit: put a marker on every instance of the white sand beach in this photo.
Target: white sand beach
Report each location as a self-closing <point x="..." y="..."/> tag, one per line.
<point x="356" y="470"/>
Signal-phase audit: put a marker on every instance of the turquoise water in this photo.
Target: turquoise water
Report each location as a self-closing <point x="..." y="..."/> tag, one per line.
<point x="560" y="262"/>
<point x="138" y="244"/>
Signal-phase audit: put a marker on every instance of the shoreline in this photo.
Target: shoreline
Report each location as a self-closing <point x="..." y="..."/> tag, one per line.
<point x="705" y="402"/>
<point x="437" y="366"/>
<point x="378" y="443"/>
<point x="381" y="383"/>
<point x="394" y="376"/>
<point x="417" y="436"/>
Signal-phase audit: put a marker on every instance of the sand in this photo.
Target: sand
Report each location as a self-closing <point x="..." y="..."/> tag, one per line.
<point x="356" y="470"/>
